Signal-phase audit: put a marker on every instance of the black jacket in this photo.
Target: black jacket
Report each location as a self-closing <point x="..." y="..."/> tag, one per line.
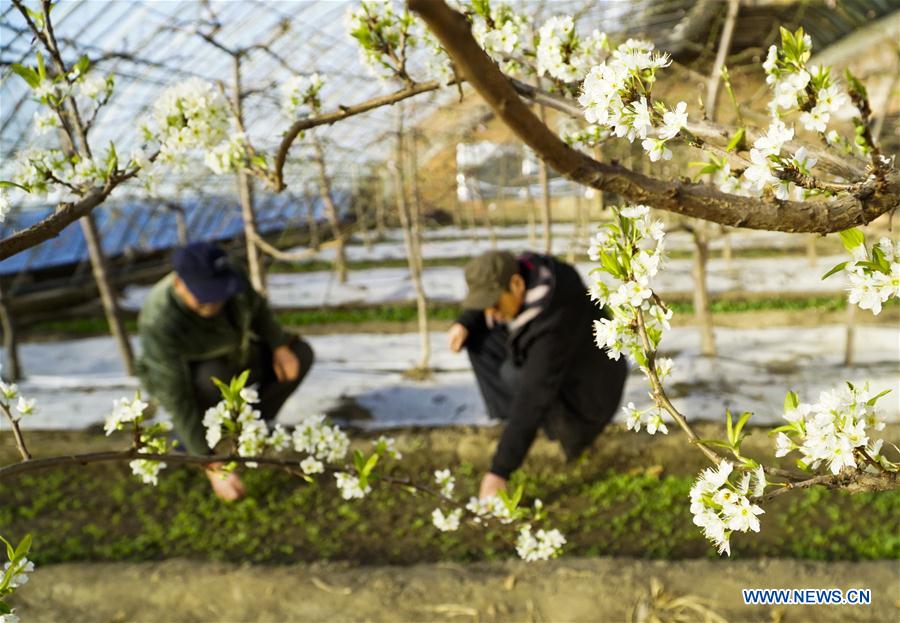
<point x="560" y="366"/>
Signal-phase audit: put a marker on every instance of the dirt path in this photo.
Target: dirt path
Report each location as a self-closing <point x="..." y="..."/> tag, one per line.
<point x="589" y="590"/>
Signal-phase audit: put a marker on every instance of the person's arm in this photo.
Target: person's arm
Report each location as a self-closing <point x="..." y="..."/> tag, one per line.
<point x="264" y="324"/>
<point x="547" y="362"/>
<point x="473" y="321"/>
<point x="167" y="376"/>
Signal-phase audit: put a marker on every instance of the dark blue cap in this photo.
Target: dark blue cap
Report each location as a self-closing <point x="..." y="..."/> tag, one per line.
<point x="207" y="273"/>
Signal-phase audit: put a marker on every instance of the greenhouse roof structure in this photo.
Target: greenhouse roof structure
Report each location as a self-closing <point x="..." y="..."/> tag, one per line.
<point x="149" y="46"/>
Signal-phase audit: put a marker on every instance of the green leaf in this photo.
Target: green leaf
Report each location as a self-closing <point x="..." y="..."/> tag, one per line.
<point x="791" y="401"/>
<point x="4" y="608"/>
<point x="239" y="382"/>
<point x="370" y="465"/>
<point x="42" y="69"/>
<point x="24" y="546"/>
<point x="740" y="425"/>
<point x="223" y="388"/>
<point x="8" y="184"/>
<point x="871" y="401"/>
<point x="737" y="141"/>
<point x="852" y="238"/>
<point x="715" y="442"/>
<point x="836" y="269"/>
<point x="855" y="84"/>
<point x="782" y="429"/>
<point x="10" y="552"/>
<point x="359" y="461"/>
<point x="27" y="74"/>
<point x="728" y="427"/>
<point x="82" y="65"/>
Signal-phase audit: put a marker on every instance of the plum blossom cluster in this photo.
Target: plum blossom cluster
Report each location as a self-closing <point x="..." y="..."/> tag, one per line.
<point x="721" y="506"/>
<point x="235" y="417"/>
<point x="323" y="443"/>
<point x="796" y="87"/>
<point x="504" y="508"/>
<point x="539" y="545"/>
<point x="563" y="54"/>
<point x="630" y="250"/>
<point x="15" y="405"/>
<point x="835" y="431"/>
<point x="300" y="95"/>
<point x="383" y="34"/>
<point x="616" y="95"/>
<point x="149" y="439"/>
<point x="13" y="575"/>
<point x="651" y="418"/>
<point x="191" y="115"/>
<point x="42" y="171"/>
<point x="874" y="273"/>
<point x="5" y="205"/>
<point x="505" y="35"/>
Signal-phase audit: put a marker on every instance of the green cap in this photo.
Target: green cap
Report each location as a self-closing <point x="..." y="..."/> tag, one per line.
<point x="488" y="276"/>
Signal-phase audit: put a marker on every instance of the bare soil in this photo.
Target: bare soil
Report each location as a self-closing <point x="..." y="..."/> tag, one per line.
<point x="572" y="590"/>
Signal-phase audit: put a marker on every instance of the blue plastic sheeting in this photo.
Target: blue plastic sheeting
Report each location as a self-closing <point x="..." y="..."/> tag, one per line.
<point x="143" y="227"/>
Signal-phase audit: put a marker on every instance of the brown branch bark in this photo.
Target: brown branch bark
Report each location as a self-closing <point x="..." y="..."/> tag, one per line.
<point x="678" y="196"/>
<point x="65" y="214"/>
<point x="17" y="432"/>
<point x="277" y="175"/>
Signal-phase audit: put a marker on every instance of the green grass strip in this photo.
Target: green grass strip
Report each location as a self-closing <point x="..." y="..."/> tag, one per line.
<point x="102" y="513"/>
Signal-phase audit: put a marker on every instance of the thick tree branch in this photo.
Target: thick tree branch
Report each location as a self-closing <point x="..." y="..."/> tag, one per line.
<point x="680" y="197"/>
<point x="65" y="214"/>
<point x="343" y="112"/>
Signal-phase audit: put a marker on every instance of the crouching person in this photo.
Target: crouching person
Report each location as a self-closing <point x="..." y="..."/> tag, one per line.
<point x="203" y="321"/>
<point x="528" y="330"/>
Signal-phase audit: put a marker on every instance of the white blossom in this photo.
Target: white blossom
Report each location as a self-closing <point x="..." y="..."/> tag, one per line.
<point x="93" y="87"/>
<point x="25" y="406"/>
<point x="448" y="522"/>
<point x="445" y="481"/>
<point x="349" y="486"/>
<point x="310" y="466"/>
<point x="540" y="545"/>
<point x="300" y="95"/>
<point x="18" y="573"/>
<point x="124" y="411"/>
<point x="674" y="121"/>
<point x="147" y="471"/>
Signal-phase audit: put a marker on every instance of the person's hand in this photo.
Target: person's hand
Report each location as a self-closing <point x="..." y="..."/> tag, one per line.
<point x="285" y="364"/>
<point x="226" y="485"/>
<point x="491" y="484"/>
<point x="456" y="337"/>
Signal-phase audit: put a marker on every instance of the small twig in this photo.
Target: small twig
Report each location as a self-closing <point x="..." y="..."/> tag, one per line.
<point x="20" y="441"/>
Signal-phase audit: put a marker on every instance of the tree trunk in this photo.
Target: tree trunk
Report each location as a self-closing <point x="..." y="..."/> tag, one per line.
<point x="380" y="225"/>
<point x="811" y="254"/>
<point x="702" y="313"/>
<point x="546" y="216"/>
<point x="413" y="251"/>
<point x="726" y="245"/>
<point x="245" y="194"/>
<point x="360" y="209"/>
<point x="107" y="296"/>
<point x="12" y="370"/>
<point x="532" y="217"/>
<point x="340" y="258"/>
<point x="850" y="334"/>
<point x="311" y="222"/>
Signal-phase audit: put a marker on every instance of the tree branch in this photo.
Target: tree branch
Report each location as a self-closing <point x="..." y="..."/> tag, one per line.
<point x="65" y="214"/>
<point x="277" y="175"/>
<point x="680" y="197"/>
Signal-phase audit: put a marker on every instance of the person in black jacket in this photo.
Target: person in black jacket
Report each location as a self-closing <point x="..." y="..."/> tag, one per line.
<point x="528" y="330"/>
